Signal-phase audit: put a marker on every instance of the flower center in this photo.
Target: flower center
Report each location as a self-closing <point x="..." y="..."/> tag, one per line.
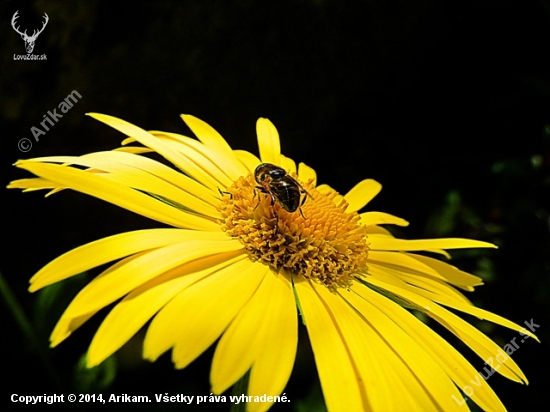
<point x="318" y="241"/>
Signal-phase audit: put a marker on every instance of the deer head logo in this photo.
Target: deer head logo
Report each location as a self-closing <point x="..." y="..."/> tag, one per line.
<point x="29" y="40"/>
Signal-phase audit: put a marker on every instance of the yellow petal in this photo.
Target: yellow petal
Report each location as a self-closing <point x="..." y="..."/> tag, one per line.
<point x="336" y="369"/>
<point x="426" y="266"/>
<point x="126" y="173"/>
<point x="268" y="142"/>
<point x="374" y="370"/>
<point x="131" y="314"/>
<point x="306" y="173"/>
<point x="450" y="360"/>
<point x="361" y="194"/>
<point x="213" y="140"/>
<point x="195" y="318"/>
<point x="378" y="230"/>
<point x="240" y="345"/>
<point x="425" y="385"/>
<point x="475" y="311"/>
<point x="380" y="242"/>
<point x="476" y="340"/>
<point x="288" y="164"/>
<point x="271" y="370"/>
<point x="32" y="184"/>
<point x="380" y="218"/>
<point x="133" y="149"/>
<point x="250" y="161"/>
<point x="417" y="280"/>
<point x="208" y="135"/>
<point x="112" y="248"/>
<point x="213" y="162"/>
<point x="122" y="278"/>
<point x="95" y="185"/>
<point x="450" y="273"/>
<point x="165" y="149"/>
<point x="204" y="164"/>
<point x="161" y="171"/>
<point x="324" y="188"/>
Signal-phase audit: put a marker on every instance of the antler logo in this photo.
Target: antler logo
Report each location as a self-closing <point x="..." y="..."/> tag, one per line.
<point x="29" y="40"/>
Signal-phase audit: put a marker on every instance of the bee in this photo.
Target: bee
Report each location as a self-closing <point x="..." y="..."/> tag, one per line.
<point x="281" y="187"/>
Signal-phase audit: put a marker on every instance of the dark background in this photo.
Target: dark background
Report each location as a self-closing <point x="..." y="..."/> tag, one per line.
<point x="446" y="103"/>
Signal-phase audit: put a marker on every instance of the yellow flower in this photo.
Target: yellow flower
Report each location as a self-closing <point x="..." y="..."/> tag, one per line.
<point x="244" y="255"/>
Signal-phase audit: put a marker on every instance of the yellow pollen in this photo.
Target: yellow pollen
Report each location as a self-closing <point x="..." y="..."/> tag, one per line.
<point x="326" y="244"/>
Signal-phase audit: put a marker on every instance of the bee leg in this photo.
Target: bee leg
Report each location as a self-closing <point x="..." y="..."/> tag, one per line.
<point x="302" y="203"/>
<point x="225" y="193"/>
<point x="253" y="197"/>
<point x="306" y="192"/>
<point x="275" y="214"/>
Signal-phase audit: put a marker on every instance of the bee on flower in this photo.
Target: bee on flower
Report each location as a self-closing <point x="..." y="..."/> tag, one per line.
<point x="247" y="247"/>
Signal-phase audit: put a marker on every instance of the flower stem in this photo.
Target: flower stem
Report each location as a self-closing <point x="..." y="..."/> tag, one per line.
<point x="27" y="328"/>
<point x="240" y="388"/>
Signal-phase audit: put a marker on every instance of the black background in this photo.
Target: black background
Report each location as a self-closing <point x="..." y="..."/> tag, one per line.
<point x="446" y="103"/>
